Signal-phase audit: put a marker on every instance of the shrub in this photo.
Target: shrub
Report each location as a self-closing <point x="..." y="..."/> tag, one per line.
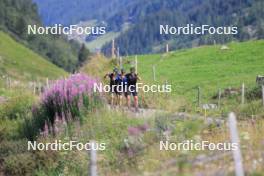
<point x="9" y="129"/>
<point x="163" y="124"/>
<point x="251" y="109"/>
<point x="172" y="127"/>
<point x="30" y="127"/>
<point x="25" y="165"/>
<point x="15" y="159"/>
<point x="17" y="107"/>
<point x="12" y="147"/>
<point x="254" y="93"/>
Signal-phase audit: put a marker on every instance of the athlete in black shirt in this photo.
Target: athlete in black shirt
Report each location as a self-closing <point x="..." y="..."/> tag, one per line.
<point x="112" y="82"/>
<point x="132" y="79"/>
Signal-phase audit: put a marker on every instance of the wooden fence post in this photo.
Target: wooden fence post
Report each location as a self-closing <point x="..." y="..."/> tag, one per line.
<point x="47" y="82"/>
<point x="235" y="140"/>
<point x="117" y="52"/>
<point x="113" y="49"/>
<point x="263" y="95"/>
<point x="10" y="82"/>
<point x="167" y="48"/>
<point x="39" y="88"/>
<point x="154" y="72"/>
<point x="219" y="98"/>
<point x="7" y="82"/>
<point x="34" y="88"/>
<point x="243" y="94"/>
<point x="93" y="158"/>
<point x="120" y="63"/>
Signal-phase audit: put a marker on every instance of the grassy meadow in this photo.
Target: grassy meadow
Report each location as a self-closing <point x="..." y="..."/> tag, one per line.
<point x="208" y="67"/>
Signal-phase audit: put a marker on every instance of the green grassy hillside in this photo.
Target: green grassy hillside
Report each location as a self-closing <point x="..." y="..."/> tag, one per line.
<point x="207" y="66"/>
<point x="20" y="63"/>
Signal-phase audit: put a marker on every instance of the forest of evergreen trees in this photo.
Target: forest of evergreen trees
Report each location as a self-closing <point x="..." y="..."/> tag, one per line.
<point x="144" y="36"/>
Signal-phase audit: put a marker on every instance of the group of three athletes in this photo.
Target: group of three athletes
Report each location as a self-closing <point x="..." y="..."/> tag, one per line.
<point x="123" y="84"/>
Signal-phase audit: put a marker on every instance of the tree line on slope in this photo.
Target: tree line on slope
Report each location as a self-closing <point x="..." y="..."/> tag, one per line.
<point x="144" y="36"/>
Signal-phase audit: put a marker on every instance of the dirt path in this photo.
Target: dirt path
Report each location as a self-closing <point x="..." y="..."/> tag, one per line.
<point x="152" y="113"/>
<point x="142" y="112"/>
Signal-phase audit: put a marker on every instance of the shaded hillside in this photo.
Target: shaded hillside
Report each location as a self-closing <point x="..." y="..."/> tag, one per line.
<point x="15" y="16"/>
<point x="21" y="63"/>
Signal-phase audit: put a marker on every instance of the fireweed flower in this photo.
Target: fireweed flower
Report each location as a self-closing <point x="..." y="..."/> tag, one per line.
<point x="65" y="98"/>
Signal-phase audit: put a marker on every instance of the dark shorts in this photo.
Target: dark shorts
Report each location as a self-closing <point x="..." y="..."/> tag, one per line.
<point x="132" y="90"/>
<point x="112" y="88"/>
<point x="117" y="91"/>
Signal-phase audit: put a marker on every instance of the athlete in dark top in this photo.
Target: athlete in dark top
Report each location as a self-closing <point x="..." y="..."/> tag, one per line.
<point x="132" y="79"/>
<point x="112" y="82"/>
<point x="122" y="84"/>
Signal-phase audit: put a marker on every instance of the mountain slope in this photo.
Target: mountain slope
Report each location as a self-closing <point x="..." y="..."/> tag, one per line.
<point x="21" y="63"/>
<point x="15" y="16"/>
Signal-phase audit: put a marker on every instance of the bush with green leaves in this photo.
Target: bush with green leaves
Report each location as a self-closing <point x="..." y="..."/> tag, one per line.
<point x="254" y="93"/>
<point x="17" y="107"/>
<point x="16" y="160"/>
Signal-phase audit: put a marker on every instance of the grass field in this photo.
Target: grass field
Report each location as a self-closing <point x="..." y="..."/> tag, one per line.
<point x="20" y="63"/>
<point x="100" y="41"/>
<point x="208" y="67"/>
<point x="108" y="37"/>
